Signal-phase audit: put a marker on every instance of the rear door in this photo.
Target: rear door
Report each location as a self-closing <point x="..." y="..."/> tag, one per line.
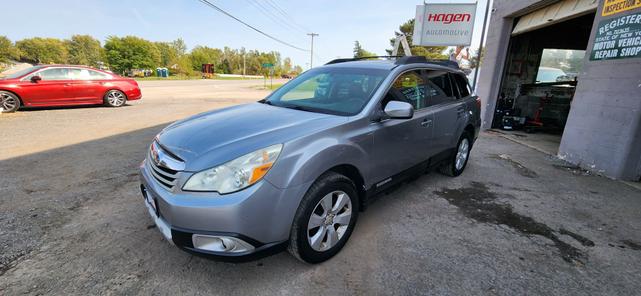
<point x="87" y="86"/>
<point x="400" y="144"/>
<point x="53" y="89"/>
<point x="449" y="109"/>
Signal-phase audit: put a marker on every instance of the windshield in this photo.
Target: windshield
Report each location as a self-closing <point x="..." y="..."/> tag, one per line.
<point x="22" y="72"/>
<point x="339" y="91"/>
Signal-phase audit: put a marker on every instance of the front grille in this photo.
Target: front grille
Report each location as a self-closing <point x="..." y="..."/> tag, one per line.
<point x="164" y="176"/>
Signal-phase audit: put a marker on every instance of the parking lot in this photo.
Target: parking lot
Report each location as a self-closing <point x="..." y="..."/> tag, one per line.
<point x="517" y="221"/>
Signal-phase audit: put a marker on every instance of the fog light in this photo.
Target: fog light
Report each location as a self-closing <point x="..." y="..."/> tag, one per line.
<point x="216" y="243"/>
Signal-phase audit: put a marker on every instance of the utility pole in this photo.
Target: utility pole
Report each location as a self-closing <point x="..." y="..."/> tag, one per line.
<point x="480" y="53"/>
<point x="244" y="65"/>
<point x="311" y="55"/>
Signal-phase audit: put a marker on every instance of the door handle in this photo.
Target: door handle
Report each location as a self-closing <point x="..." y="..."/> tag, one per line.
<point x="426" y="123"/>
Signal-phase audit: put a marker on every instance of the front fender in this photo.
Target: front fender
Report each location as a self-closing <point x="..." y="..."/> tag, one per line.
<point x="303" y="164"/>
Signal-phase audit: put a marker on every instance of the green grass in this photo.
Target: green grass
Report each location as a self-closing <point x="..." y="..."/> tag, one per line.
<point x="171" y="77"/>
<point x="191" y="77"/>
<point x="272" y="87"/>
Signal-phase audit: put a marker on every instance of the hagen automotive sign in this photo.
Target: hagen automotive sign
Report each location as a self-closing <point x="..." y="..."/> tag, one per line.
<point x="618" y="38"/>
<point x="444" y="24"/>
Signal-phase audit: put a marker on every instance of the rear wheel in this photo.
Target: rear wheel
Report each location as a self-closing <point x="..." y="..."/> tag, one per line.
<point x="325" y="219"/>
<point x="456" y="164"/>
<point x="115" y="98"/>
<point x="9" y="102"/>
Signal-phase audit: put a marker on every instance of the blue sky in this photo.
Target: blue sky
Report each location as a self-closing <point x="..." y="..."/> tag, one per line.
<point x="339" y="23"/>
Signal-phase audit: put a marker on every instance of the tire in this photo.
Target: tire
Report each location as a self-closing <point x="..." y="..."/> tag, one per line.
<point x="115" y="98"/>
<point x="456" y="163"/>
<point x="330" y="230"/>
<point x="9" y="102"/>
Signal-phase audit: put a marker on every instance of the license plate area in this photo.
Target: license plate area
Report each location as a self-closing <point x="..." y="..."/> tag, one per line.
<point x="151" y="201"/>
<point x="152" y="207"/>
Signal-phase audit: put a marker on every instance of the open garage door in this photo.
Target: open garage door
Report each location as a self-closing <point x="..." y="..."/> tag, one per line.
<point x="554" y="14"/>
<point x="546" y="55"/>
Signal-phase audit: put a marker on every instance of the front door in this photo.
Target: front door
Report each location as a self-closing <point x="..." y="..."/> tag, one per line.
<point x="400" y="144"/>
<point x="53" y="89"/>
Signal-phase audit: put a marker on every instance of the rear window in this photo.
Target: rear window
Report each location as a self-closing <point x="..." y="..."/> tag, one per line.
<point x="442" y="81"/>
<point x="463" y="86"/>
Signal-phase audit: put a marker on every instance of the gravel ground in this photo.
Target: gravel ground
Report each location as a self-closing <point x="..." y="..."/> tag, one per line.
<point x="516" y="222"/>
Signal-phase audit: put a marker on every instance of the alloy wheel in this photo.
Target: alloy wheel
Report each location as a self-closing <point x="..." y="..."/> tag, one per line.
<point x="329" y="221"/>
<point x="462" y="153"/>
<point x="116" y="98"/>
<point x="8" y="102"/>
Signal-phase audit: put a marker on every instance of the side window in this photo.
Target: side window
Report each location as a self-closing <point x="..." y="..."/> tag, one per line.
<point x="410" y="87"/>
<point x="79" y="74"/>
<point x="463" y="86"/>
<point x="439" y="88"/>
<point x="54" y="74"/>
<point x="98" y="75"/>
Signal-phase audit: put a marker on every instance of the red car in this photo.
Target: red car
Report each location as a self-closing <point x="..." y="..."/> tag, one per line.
<point x="64" y="85"/>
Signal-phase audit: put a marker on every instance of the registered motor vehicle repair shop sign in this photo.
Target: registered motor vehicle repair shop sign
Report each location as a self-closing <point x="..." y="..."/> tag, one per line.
<point x="618" y="38"/>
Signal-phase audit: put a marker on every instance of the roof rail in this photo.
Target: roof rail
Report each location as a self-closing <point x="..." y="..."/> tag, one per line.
<point x="343" y="60"/>
<point x="401" y="60"/>
<point x="446" y="63"/>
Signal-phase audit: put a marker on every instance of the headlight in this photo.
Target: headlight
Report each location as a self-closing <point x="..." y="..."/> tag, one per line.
<point x="236" y="174"/>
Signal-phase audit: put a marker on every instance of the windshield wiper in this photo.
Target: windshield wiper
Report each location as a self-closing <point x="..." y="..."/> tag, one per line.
<point x="264" y="101"/>
<point x="297" y="107"/>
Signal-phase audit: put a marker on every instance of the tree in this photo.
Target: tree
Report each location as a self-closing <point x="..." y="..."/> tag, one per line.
<point x="287" y="65"/>
<point x="131" y="52"/>
<point x="168" y="55"/>
<point x="298" y="69"/>
<point x="7" y="50"/>
<point x="85" y="50"/>
<point x="43" y="50"/>
<point x="430" y="52"/>
<point x="179" y="46"/>
<point x="359" y="52"/>
<point x="204" y="55"/>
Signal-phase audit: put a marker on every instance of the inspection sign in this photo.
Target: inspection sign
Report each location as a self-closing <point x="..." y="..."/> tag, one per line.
<point x="611" y="7"/>
<point x="618" y="38"/>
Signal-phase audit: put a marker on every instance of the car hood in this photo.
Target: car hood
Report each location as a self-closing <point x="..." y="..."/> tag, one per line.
<point x="215" y="137"/>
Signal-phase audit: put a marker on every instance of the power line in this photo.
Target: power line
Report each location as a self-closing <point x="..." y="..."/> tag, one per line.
<point x="250" y="26"/>
<point x="284" y="13"/>
<point x="266" y="11"/>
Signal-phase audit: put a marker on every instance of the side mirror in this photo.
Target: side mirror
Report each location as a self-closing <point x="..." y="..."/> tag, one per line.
<point x="399" y="110"/>
<point x="35" y="78"/>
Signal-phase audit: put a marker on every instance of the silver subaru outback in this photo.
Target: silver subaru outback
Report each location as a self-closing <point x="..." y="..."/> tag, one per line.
<point x="295" y="169"/>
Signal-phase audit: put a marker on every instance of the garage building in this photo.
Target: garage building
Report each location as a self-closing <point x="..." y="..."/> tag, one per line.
<point x="566" y="76"/>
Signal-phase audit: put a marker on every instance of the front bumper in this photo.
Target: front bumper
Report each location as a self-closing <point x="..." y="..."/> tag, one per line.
<point x="260" y="216"/>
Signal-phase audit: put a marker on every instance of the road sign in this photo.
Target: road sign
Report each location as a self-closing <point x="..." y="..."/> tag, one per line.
<point x="268" y="65"/>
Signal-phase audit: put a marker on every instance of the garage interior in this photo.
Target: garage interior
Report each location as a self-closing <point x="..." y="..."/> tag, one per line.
<point x="545" y="55"/>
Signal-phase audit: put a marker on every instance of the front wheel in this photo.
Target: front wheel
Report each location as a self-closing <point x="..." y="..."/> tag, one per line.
<point x="8" y="102"/>
<point x="458" y="161"/>
<point x="325" y="219"/>
<point x="115" y="98"/>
